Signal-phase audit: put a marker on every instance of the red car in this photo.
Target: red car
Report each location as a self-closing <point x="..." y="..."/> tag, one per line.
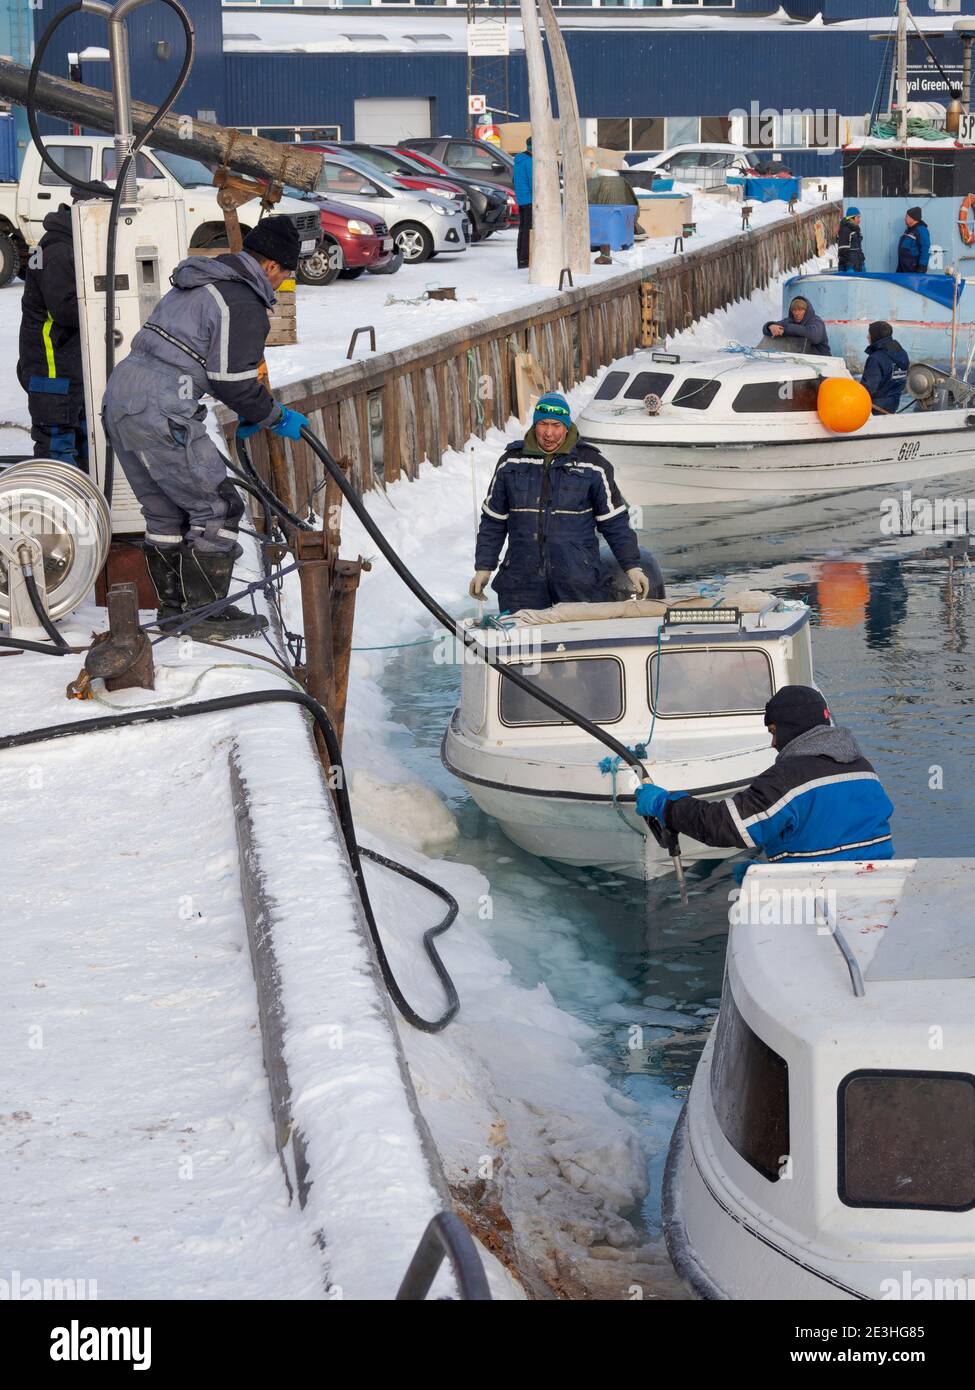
<point x="352" y="242"/>
<point x="441" y="170"/>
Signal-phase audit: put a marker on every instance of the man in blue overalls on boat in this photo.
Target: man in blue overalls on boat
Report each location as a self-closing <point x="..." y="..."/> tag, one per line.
<point x="820" y="799"/>
<point x="549" y="496"/>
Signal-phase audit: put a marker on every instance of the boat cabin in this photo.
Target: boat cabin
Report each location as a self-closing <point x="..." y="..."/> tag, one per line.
<point x="696" y="669"/>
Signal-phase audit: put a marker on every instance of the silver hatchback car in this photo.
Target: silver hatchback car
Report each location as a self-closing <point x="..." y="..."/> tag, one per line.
<point x="422" y="224"/>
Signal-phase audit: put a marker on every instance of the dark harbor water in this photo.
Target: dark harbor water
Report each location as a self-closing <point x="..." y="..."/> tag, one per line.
<point x="892" y="646"/>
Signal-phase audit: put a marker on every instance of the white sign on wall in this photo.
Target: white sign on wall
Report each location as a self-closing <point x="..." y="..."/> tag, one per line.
<point x="966" y="128"/>
<point x="488" y="38"/>
<point x="476" y="105"/>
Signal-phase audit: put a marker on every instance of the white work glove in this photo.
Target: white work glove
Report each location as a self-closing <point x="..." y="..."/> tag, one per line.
<point x="639" y="582"/>
<point x="476" y="586"/>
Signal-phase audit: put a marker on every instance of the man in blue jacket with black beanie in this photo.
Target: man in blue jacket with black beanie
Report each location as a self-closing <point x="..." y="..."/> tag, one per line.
<point x="820" y="799"/>
<point x="885" y="370"/>
<point x="549" y="496"/>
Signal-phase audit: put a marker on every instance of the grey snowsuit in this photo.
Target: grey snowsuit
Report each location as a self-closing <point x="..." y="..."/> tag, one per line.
<point x="206" y="335"/>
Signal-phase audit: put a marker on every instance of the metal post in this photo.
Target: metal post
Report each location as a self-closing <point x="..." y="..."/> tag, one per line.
<point x="902" y="66"/>
<point x="118" y="48"/>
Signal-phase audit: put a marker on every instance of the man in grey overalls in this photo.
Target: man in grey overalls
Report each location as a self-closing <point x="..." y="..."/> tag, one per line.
<point x="206" y="336"/>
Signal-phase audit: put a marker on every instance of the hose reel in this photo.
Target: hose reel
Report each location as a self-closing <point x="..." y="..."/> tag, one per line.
<point x="55" y="527"/>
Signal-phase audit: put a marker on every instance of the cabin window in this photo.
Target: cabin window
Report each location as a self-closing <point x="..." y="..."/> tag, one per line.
<point x="591" y="685"/>
<point x="907" y="1139"/>
<point x="647" y="384"/>
<point x="750" y="1092"/>
<point x="696" y="393"/>
<point x="709" y="680"/>
<point x="777" y="396"/>
<point x="609" y="387"/>
<point x="869" y="181"/>
<point x="921" y="178"/>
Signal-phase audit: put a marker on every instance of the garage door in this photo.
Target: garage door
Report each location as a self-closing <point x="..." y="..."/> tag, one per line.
<point x="386" y="120"/>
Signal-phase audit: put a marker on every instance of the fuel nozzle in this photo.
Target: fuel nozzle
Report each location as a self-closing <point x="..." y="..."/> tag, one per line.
<point x="667" y="839"/>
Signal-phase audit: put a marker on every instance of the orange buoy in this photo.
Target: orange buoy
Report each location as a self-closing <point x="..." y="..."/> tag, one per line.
<point x="842" y="404"/>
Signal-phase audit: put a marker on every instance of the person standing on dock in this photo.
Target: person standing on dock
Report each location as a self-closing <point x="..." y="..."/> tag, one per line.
<point x="549" y="496"/>
<point x="849" y="243"/>
<point x="206" y="336"/>
<point x="914" y="246"/>
<point x="820" y="799"/>
<point x="524" y="188"/>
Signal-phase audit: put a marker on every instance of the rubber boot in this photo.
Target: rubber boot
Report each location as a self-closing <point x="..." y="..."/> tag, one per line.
<point x="206" y="577"/>
<point x="163" y="567"/>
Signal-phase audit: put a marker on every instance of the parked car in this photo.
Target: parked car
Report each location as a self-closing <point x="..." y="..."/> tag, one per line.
<point x="486" y="204"/>
<point x="708" y="166"/>
<point x="353" y="241"/>
<point x="475" y="159"/>
<point x="421" y="225"/>
<point x="24" y="205"/>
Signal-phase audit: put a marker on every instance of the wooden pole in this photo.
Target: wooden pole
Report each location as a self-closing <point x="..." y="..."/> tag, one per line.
<point x="214" y="144"/>
<point x="314" y="556"/>
<point x="344" y="586"/>
<point x="546" y="248"/>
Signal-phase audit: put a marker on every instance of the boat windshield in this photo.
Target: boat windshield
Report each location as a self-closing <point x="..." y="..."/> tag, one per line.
<point x="696" y="393"/>
<point x="907" y="1139"/>
<point x="591" y="685"/>
<point x="707" y="680"/>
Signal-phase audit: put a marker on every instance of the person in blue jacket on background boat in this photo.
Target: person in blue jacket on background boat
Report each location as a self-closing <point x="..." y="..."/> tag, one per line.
<point x="820" y="799"/>
<point x="549" y="496"/>
<point x="524" y="171"/>
<point x="885" y="370"/>
<point x="914" y="247"/>
<point x="803" y="322"/>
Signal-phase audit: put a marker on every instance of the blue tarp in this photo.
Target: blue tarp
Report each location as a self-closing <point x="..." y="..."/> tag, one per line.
<point x="939" y="287"/>
<point x="768" y="190"/>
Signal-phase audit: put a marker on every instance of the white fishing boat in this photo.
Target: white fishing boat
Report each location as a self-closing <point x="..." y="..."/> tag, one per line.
<point x="737" y="425"/>
<point x="689" y="682"/>
<point x="826" y="1147"/>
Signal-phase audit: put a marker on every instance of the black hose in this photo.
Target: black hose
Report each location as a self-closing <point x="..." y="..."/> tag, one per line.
<point x="451" y="624"/>
<point x="160" y="713"/>
<point x="24" y="646"/>
<point x="43" y="617"/>
<point x="248" y="477"/>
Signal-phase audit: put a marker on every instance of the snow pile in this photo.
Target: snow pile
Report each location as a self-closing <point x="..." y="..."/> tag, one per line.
<point x="408" y="811"/>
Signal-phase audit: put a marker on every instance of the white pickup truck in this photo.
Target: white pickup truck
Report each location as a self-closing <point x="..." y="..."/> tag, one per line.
<point x="24" y="205"/>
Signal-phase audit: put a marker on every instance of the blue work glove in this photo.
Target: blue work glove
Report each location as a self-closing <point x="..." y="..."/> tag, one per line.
<point x="245" y="431"/>
<point x="651" y="800"/>
<point x="290" y="425"/>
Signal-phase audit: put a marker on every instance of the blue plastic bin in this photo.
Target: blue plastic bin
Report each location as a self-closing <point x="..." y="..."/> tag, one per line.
<point x="611" y="225"/>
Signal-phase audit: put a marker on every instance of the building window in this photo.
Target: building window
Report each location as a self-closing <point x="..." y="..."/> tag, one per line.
<point x="613" y="133"/>
<point x="715" y="130"/>
<point x="647" y="133"/>
<point x="869" y="181"/>
<point x="791" y="130"/>
<point x="683" y="130"/>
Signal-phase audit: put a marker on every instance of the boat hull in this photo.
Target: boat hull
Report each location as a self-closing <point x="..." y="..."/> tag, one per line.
<point x="656" y="474"/>
<point x="590" y="834"/>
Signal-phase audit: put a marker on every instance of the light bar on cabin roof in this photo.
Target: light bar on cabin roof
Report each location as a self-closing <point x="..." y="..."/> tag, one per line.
<point x="703" y="617"/>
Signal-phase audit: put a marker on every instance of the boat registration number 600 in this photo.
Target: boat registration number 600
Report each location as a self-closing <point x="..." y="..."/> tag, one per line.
<point x="910" y="450"/>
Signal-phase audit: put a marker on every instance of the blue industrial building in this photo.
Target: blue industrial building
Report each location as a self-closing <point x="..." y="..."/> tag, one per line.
<point x="647" y="76"/>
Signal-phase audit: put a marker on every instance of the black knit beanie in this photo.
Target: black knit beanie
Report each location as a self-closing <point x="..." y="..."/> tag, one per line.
<point x="879" y="329"/>
<point x="276" y="238"/>
<point x="916" y="214"/>
<point x="794" y="710"/>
